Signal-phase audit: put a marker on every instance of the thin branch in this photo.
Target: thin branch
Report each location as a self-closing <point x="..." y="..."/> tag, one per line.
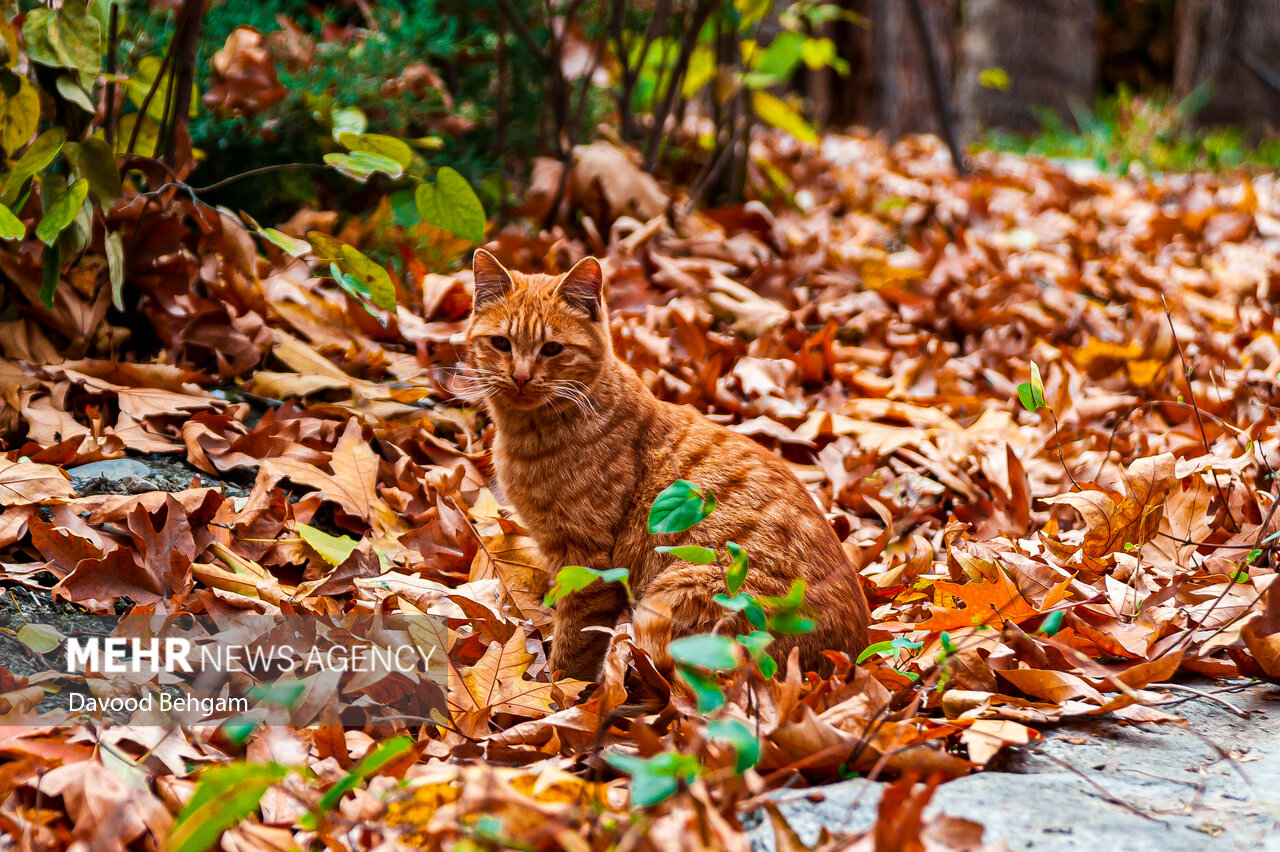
<point x="941" y="96"/>
<point x="521" y="30"/>
<point x="1191" y="394"/>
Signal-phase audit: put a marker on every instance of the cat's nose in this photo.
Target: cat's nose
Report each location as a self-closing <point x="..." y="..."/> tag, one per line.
<point x="519" y="379"/>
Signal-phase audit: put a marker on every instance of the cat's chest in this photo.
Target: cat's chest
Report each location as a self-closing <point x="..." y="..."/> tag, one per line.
<point x="561" y="495"/>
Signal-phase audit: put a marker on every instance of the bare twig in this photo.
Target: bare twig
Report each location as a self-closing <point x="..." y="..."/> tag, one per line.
<point x="1191" y="394"/>
<point x="941" y="96"/>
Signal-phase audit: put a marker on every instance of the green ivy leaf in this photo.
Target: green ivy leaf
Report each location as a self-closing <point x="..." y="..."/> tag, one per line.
<point x="39" y="154"/>
<point x="694" y="553"/>
<point x="348" y="120"/>
<point x="371" y="276"/>
<point x="706" y="689"/>
<point x="575" y="578"/>
<point x="141" y="82"/>
<point x="372" y="763"/>
<point x="376" y="143"/>
<point x="94" y="161"/>
<point x="67" y="38"/>
<point x="708" y="650"/>
<point x="745" y="744"/>
<point x="680" y="506"/>
<point x="224" y="796"/>
<point x="19" y="110"/>
<point x="451" y="205"/>
<point x="362" y="165"/>
<point x="773" y="110"/>
<point x="334" y="549"/>
<point x="71" y="91"/>
<point x="62" y="212"/>
<point x="736" y="574"/>
<point x="11" y="227"/>
<point x="657" y="778"/>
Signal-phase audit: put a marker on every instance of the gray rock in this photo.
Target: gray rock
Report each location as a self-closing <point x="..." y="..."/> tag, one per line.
<point x="1100" y="785"/>
<point x="111" y="470"/>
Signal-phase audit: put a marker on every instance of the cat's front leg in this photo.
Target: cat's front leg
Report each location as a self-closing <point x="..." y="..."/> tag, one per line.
<point x="576" y="651"/>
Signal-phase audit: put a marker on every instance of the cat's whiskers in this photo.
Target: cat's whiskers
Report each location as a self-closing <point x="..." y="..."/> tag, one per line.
<point x="563" y="389"/>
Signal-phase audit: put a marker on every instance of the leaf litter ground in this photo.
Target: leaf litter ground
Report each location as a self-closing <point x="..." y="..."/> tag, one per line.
<point x="868" y="316"/>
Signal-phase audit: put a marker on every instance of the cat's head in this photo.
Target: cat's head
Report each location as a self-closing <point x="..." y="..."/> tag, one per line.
<point x="537" y="339"/>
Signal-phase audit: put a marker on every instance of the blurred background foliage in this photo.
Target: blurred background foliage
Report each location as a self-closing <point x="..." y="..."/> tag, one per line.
<point x="383" y="136"/>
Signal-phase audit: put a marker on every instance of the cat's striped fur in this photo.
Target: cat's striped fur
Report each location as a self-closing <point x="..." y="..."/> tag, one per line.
<point x="582" y="450"/>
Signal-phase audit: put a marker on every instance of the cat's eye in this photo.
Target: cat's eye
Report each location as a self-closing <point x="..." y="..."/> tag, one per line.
<point x="500" y="343"/>
<point x="552" y="348"/>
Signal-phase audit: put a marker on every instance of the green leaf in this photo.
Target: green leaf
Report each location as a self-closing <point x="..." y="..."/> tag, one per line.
<point x="50" y="273"/>
<point x="790" y="623"/>
<point x="780" y="114"/>
<point x="776" y="62"/>
<point x="334" y="549"/>
<point x="756" y="642"/>
<point x="742" y="738"/>
<point x="67" y="38"/>
<point x="708" y="650"/>
<point x="768" y="666"/>
<point x="362" y="165"/>
<point x="575" y="578"/>
<point x="290" y="245"/>
<point x="62" y="212"/>
<point x="94" y="161"/>
<point x="372" y="763"/>
<point x="283" y="693"/>
<point x="736" y="574"/>
<point x="39" y="154"/>
<point x="657" y="778"/>
<point x="680" y="506"/>
<point x="886" y="647"/>
<point x="11" y="227"/>
<point x="1031" y="394"/>
<point x="371" y="276"/>
<point x="141" y="81"/>
<point x="19" y="110"/>
<point x="224" y="796"/>
<point x="41" y="638"/>
<point x="348" y="120"/>
<point x="994" y="78"/>
<point x="821" y="53"/>
<point x="451" y="204"/>
<point x="376" y="143"/>
<point x="706" y="689"/>
<point x="115" y="268"/>
<point x="70" y="90"/>
<point x="1052" y="623"/>
<point x="694" y="553"/>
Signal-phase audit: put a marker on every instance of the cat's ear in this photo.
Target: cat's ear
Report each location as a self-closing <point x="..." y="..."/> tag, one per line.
<point x="493" y="282"/>
<point x="582" y="287"/>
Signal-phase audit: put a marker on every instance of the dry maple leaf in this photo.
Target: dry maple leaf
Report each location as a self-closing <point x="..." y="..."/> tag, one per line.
<point x="29" y="482"/>
<point x="352" y="484"/>
<point x="497" y="684"/>
<point x="1112" y="523"/>
<point x="986" y="603"/>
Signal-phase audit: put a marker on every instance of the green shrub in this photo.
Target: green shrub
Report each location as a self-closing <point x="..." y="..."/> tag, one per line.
<point x="1155" y="131"/>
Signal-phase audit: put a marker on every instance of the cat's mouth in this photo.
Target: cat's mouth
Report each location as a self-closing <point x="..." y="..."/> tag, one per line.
<point x="525" y="398"/>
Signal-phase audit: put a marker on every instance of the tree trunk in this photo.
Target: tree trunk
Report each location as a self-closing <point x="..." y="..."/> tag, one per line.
<point x="1234" y="48"/>
<point x="1047" y="50"/>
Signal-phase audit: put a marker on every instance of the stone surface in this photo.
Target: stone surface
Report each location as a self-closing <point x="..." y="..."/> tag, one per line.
<point x="1100" y="785"/>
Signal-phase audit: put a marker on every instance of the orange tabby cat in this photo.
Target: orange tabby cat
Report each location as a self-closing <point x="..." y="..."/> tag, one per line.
<point x="582" y="450"/>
